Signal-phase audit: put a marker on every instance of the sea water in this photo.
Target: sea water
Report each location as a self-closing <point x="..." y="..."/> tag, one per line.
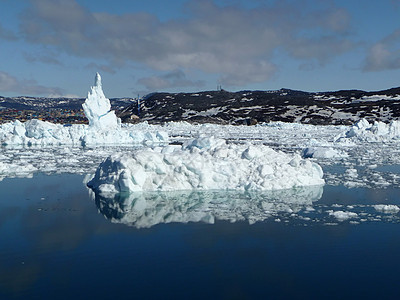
<point x="60" y="241"/>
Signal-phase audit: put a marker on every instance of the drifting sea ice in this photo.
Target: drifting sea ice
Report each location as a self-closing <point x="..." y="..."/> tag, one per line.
<point x="323" y="152"/>
<point x="388" y="209"/>
<point x="376" y="132"/>
<point x="343" y="215"/>
<point x="205" y="163"/>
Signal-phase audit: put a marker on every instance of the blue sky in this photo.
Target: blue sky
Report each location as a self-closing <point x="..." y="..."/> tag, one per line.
<point x="55" y="47"/>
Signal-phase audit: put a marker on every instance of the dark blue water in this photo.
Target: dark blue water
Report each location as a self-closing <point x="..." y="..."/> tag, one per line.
<point x="59" y="243"/>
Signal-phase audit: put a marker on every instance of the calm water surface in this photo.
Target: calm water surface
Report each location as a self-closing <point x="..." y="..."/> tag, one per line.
<point x="60" y="242"/>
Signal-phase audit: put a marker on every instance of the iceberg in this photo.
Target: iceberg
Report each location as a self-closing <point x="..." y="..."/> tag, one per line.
<point x="97" y="108"/>
<point x="205" y="163"/>
<point x="104" y="128"/>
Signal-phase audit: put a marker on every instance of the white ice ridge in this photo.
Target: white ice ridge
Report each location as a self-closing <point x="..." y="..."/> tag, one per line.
<point x="104" y="128"/>
<point x="376" y="132"/>
<point x="205" y="163"/>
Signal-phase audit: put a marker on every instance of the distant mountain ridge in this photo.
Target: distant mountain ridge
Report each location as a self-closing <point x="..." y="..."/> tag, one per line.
<point x="243" y="107"/>
<point x="251" y="107"/>
<point x="43" y="103"/>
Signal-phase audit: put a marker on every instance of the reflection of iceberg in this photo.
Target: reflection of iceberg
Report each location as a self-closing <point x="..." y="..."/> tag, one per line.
<point x="146" y="209"/>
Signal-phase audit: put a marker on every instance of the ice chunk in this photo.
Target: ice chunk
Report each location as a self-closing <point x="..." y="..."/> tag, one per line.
<point x="343" y="215"/>
<point x="388" y="209"/>
<point x="242" y="167"/>
<point x="323" y="152"/>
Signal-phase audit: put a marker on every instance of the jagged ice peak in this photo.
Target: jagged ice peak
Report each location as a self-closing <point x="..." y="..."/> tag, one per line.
<point x="97" y="80"/>
<point x="97" y="108"/>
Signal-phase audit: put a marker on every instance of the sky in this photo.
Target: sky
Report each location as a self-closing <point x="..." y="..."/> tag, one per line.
<point x="54" y="48"/>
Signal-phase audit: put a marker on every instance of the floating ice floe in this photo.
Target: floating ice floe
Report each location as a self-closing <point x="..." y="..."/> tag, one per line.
<point x="205" y="163"/>
<point x="104" y="128"/>
<point x="373" y="132"/>
<point x="323" y="152"/>
<point x="388" y="209"/>
<point x="343" y="215"/>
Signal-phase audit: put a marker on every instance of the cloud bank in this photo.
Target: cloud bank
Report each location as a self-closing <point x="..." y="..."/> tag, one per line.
<point x="176" y="78"/>
<point x="235" y="43"/>
<point x="384" y="55"/>
<point x="9" y="83"/>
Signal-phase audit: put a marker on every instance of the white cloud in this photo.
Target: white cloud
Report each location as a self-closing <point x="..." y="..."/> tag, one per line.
<point x="236" y="43"/>
<point x="7" y="34"/>
<point x="9" y="83"/>
<point x="385" y="54"/>
<point x="47" y="59"/>
<point x="98" y="67"/>
<point x="176" y="78"/>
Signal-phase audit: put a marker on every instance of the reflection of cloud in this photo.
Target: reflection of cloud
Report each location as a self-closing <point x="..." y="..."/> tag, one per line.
<point x="148" y="209"/>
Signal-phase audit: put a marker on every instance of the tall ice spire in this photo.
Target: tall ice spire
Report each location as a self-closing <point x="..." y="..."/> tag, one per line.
<point x="97" y="108"/>
<point x="97" y="80"/>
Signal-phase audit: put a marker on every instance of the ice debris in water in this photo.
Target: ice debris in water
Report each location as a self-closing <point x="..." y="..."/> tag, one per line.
<point x="323" y="152"/>
<point x="343" y="215"/>
<point x="376" y="132"/>
<point x="205" y="163"/>
<point x="388" y="209"/>
<point x="104" y="128"/>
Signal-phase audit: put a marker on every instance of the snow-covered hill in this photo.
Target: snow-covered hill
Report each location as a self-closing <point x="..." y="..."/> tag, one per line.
<point x="250" y="107"/>
<point x="244" y="107"/>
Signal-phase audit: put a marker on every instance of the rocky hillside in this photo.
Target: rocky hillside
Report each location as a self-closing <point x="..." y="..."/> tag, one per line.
<point x="250" y="107"/>
<point x="42" y="103"/>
